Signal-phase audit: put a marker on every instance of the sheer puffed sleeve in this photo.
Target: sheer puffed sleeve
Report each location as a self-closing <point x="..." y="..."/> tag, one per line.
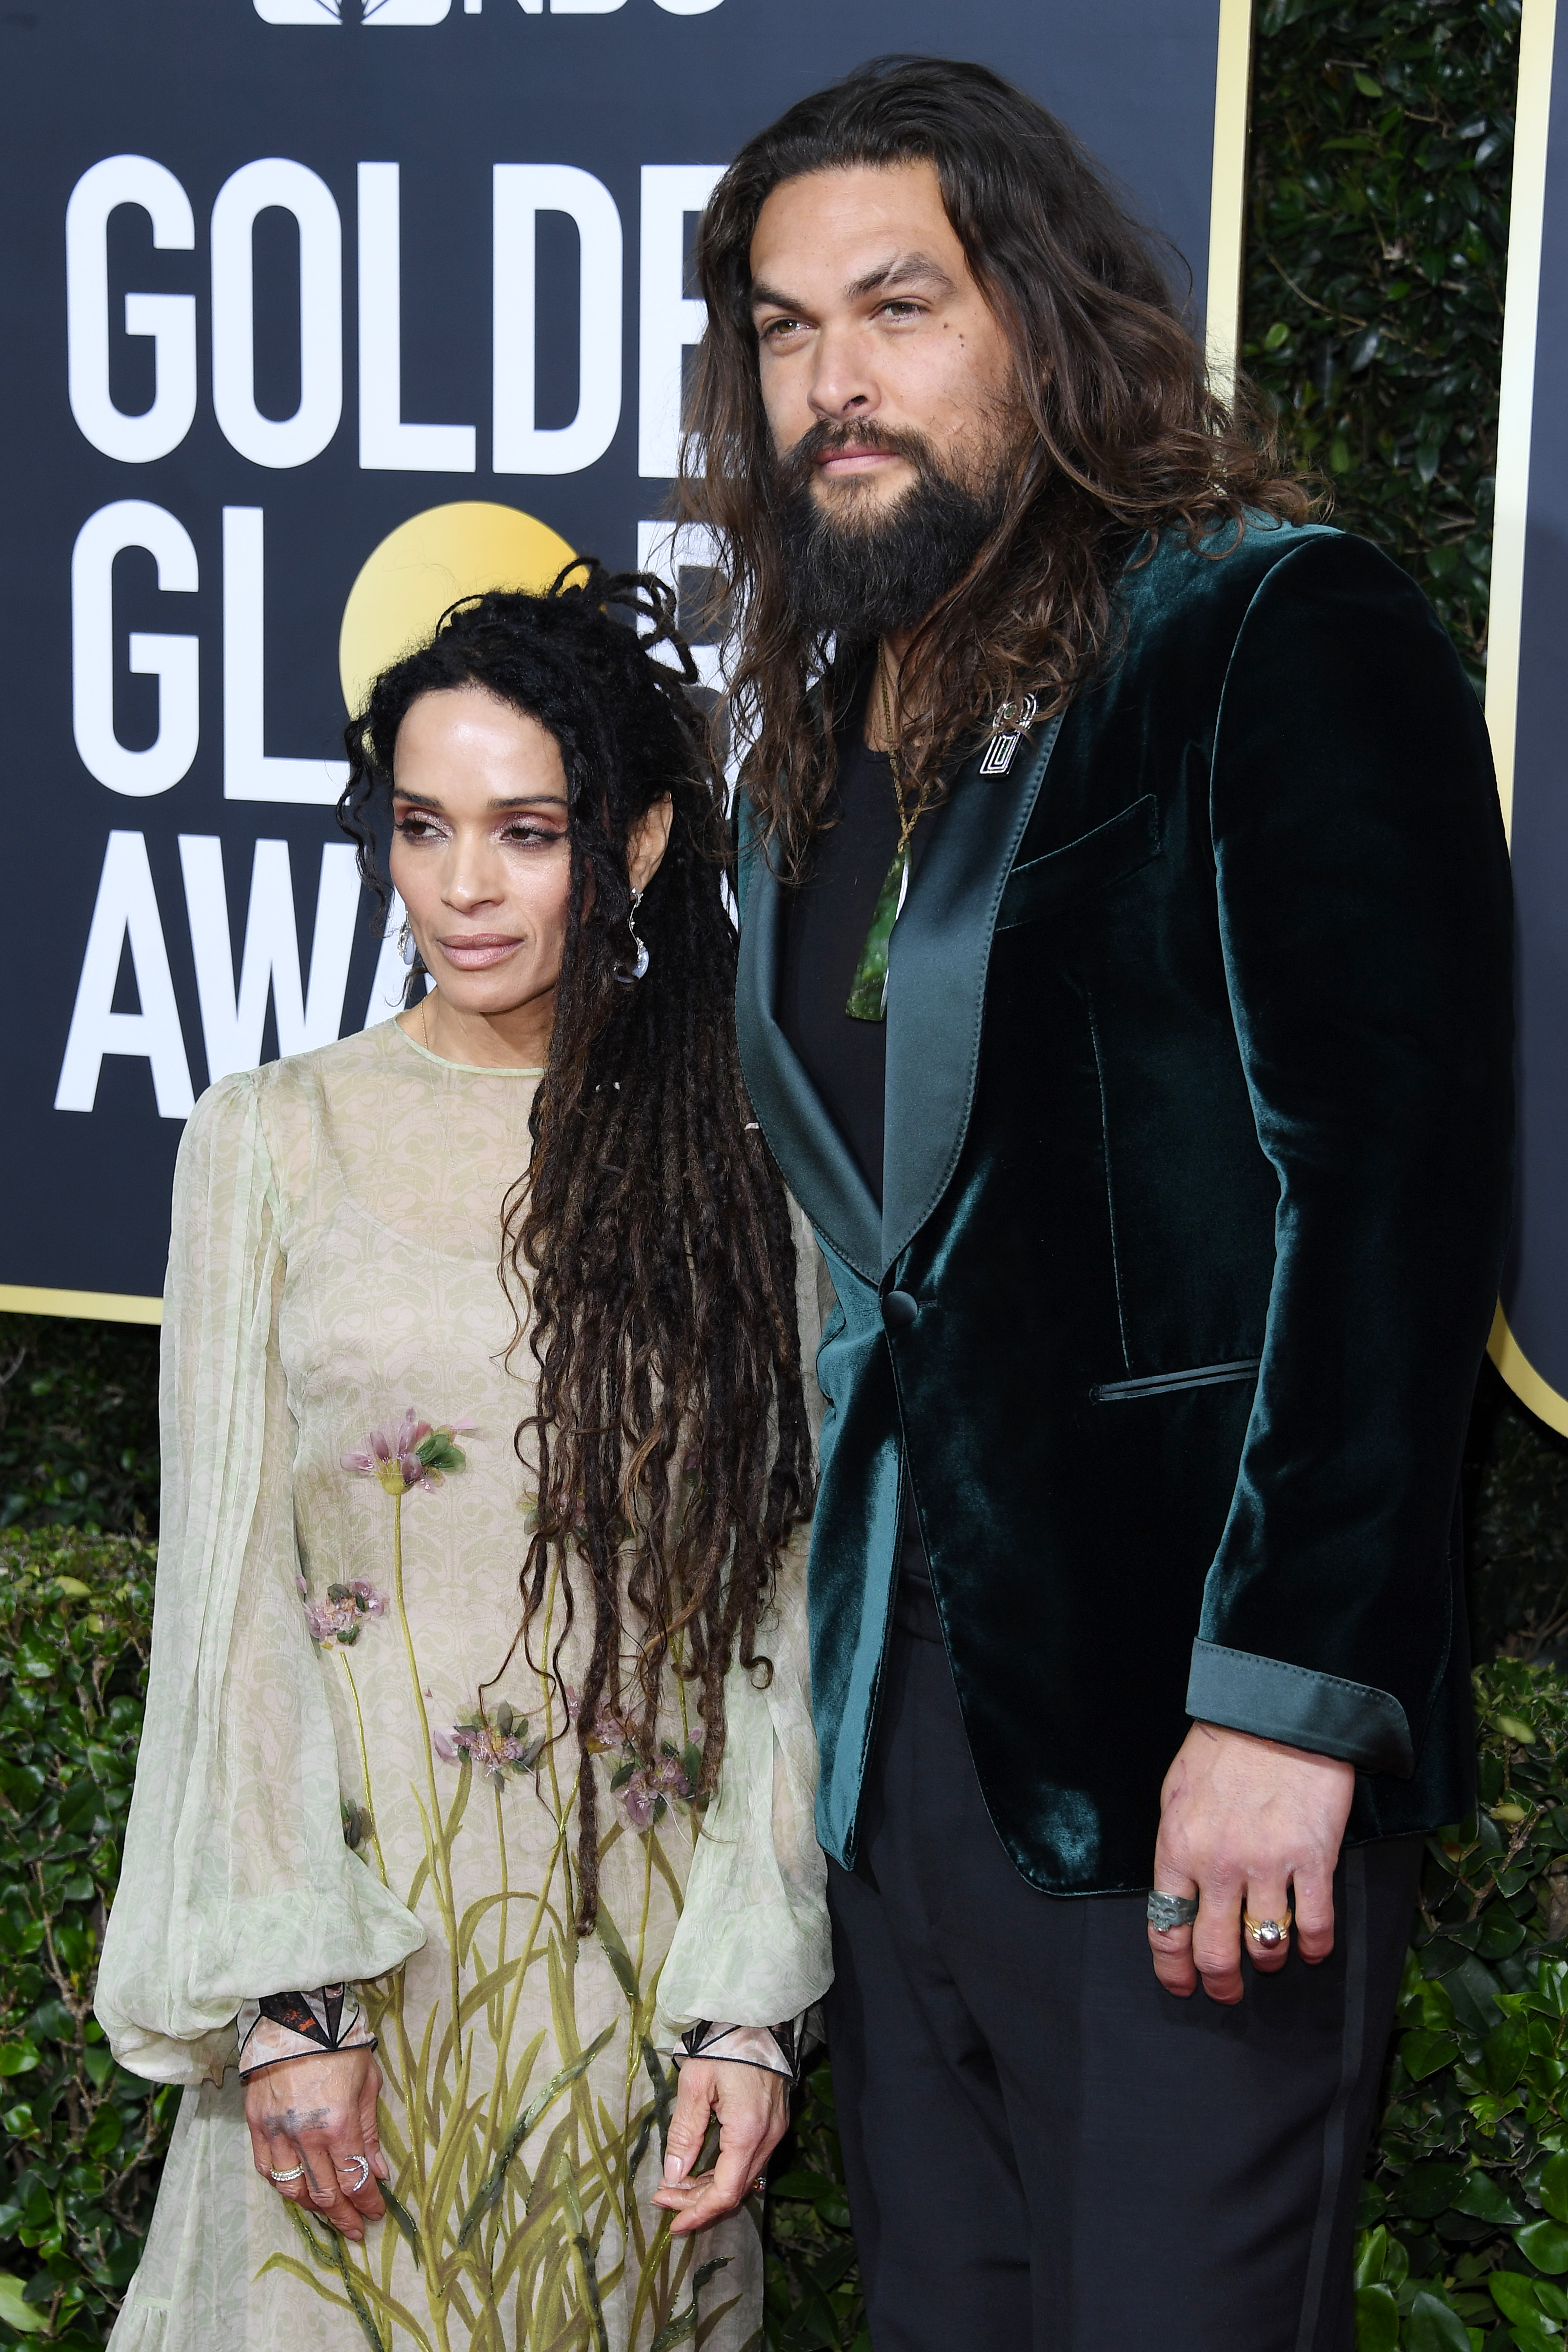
<point x="752" y="1946"/>
<point x="236" y="1880"/>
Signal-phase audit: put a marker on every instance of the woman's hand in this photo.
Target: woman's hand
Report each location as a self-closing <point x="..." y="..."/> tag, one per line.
<point x="753" y="2111"/>
<point x="321" y="2113"/>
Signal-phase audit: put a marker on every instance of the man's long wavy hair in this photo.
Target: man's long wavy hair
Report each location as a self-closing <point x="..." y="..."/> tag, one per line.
<point x="1121" y="433"/>
<point x="650" y="1233"/>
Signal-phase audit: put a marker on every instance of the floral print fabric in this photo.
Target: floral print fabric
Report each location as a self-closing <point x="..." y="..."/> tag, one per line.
<point x="336" y="1789"/>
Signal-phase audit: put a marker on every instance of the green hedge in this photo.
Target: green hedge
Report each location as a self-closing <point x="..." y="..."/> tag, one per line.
<point x="79" y="2138"/>
<point x="1376" y="252"/>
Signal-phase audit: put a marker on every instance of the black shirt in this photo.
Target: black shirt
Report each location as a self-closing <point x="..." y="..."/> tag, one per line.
<point x="825" y="924"/>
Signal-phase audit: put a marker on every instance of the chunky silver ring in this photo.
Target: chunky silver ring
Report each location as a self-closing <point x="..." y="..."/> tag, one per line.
<point x="364" y="2164"/>
<point x="297" y="2174"/>
<point x="1168" y="1911"/>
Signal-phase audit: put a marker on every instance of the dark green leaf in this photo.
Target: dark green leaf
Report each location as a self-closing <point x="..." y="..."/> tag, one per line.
<point x="1514" y="2294"/>
<point x="1544" y="2243"/>
<point x="1427" y="2189"/>
<point x="1480" y="2195"/>
<point x="1376" y="2319"/>
<point x="1435" y="2326"/>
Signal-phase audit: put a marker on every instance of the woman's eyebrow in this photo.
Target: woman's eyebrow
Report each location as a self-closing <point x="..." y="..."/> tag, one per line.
<point x="524" y="800"/>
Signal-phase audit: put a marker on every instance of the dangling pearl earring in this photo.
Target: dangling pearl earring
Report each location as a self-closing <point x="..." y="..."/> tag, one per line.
<point x="405" y="946"/>
<point x="639" y="969"/>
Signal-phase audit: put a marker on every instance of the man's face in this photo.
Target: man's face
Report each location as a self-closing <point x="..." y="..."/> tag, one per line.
<point x="887" y="384"/>
<point x="866" y="314"/>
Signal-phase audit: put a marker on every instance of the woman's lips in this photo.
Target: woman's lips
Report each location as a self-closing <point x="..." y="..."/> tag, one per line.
<point x="478" y="952"/>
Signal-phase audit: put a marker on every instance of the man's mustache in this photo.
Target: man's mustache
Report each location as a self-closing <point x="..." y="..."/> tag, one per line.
<point x="797" y="466"/>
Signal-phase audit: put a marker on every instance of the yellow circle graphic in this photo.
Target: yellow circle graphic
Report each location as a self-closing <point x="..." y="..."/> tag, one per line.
<point x="425" y="564"/>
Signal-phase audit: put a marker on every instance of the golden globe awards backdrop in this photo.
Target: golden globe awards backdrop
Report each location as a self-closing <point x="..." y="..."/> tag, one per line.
<point x="319" y="313"/>
<point x="1527" y="709"/>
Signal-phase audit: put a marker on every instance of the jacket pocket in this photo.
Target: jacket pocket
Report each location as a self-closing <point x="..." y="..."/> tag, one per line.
<point x="1113" y="850"/>
<point x="1197" y="1376"/>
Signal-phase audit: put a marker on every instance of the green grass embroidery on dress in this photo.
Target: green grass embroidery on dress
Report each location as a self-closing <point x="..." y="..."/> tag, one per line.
<point x="517" y="2211"/>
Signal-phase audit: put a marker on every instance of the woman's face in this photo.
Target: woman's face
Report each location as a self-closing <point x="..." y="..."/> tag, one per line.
<point x="480" y="856"/>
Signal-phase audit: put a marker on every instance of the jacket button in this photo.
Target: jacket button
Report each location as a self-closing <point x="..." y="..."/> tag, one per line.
<point x="899" y="1311"/>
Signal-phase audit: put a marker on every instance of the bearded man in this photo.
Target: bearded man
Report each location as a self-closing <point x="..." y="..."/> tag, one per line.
<point x="1124" y="994"/>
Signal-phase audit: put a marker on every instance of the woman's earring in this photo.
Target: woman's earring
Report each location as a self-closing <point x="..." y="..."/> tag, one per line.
<point x="639" y="969"/>
<point x="405" y="946"/>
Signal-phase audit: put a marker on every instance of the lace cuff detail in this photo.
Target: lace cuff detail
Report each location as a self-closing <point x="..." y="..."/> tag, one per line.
<point x="776" y="2049"/>
<point x="300" y="2025"/>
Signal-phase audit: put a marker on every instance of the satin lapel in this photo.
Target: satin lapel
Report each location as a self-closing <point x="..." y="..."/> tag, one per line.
<point x="940" y="952"/>
<point x="816" y="1162"/>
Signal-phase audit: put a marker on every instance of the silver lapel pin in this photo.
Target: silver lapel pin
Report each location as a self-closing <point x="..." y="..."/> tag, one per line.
<point x="1008" y="727"/>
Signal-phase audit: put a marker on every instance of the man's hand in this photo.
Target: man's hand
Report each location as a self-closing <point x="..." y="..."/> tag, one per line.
<point x="1242" y="1821"/>
<point x="321" y="2113"/>
<point x="753" y="2111"/>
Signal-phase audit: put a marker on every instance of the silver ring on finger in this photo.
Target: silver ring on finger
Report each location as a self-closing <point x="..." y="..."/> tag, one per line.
<point x="363" y="2163"/>
<point x="1168" y="1911"/>
<point x="295" y="2173"/>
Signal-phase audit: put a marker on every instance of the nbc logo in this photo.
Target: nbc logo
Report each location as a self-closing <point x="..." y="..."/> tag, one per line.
<point x="351" y="11"/>
<point x="433" y="12"/>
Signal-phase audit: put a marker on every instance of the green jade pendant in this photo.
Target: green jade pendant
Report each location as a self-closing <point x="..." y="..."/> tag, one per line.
<point x="868" y="990"/>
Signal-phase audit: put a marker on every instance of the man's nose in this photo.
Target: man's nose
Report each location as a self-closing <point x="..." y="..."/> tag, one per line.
<point x="841" y="385"/>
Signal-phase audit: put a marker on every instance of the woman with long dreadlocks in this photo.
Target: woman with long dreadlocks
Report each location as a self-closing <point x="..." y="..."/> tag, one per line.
<point x="425" y="1883"/>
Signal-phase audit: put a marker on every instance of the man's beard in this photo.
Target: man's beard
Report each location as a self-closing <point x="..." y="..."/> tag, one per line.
<point x="868" y="571"/>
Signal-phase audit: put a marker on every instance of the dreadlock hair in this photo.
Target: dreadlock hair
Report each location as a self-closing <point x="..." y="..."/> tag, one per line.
<point x="650" y="1233"/>
<point x="1119" y="434"/>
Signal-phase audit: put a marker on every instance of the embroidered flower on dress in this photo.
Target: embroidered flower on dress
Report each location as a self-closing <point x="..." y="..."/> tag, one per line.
<point x="647" y="1785"/>
<point x="496" y="1744"/>
<point x="416" y="1454"/>
<point x="339" y="1618"/>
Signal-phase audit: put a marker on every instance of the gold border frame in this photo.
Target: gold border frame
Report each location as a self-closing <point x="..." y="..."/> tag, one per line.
<point x="1536" y="41"/>
<point x="88" y="1306"/>
<point x="1227" y="255"/>
<point x="1227" y="192"/>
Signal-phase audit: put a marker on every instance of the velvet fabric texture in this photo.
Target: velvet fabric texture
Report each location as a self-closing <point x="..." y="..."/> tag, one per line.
<point x="1194" y="1198"/>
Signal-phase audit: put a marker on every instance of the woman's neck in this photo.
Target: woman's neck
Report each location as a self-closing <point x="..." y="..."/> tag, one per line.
<point x="518" y="1040"/>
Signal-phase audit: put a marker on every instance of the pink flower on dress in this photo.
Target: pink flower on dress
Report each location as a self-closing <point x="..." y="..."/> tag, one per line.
<point x="415" y="1453"/>
<point x="340" y="1617"/>
<point x="496" y="1745"/>
<point x="646" y="1789"/>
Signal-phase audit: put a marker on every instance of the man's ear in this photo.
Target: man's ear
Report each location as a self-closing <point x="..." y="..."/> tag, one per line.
<point x="647" y="842"/>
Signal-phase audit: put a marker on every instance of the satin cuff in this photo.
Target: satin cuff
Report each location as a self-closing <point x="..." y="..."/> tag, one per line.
<point x="1354" y="1721"/>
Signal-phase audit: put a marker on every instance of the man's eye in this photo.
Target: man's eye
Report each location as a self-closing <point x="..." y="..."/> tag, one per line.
<point x="777" y="328"/>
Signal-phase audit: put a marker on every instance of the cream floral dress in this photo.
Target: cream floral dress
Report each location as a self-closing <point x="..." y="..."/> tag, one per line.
<point x="318" y="1801"/>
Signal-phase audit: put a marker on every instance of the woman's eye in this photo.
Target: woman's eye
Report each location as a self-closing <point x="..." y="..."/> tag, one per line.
<point x="533" y="836"/>
<point x="413" y="827"/>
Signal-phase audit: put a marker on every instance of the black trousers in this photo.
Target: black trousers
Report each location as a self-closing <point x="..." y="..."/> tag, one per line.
<point x="1045" y="2151"/>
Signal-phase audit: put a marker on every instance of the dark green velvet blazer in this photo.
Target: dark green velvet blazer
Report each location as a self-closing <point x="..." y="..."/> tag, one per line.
<point x="1195" y="1189"/>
